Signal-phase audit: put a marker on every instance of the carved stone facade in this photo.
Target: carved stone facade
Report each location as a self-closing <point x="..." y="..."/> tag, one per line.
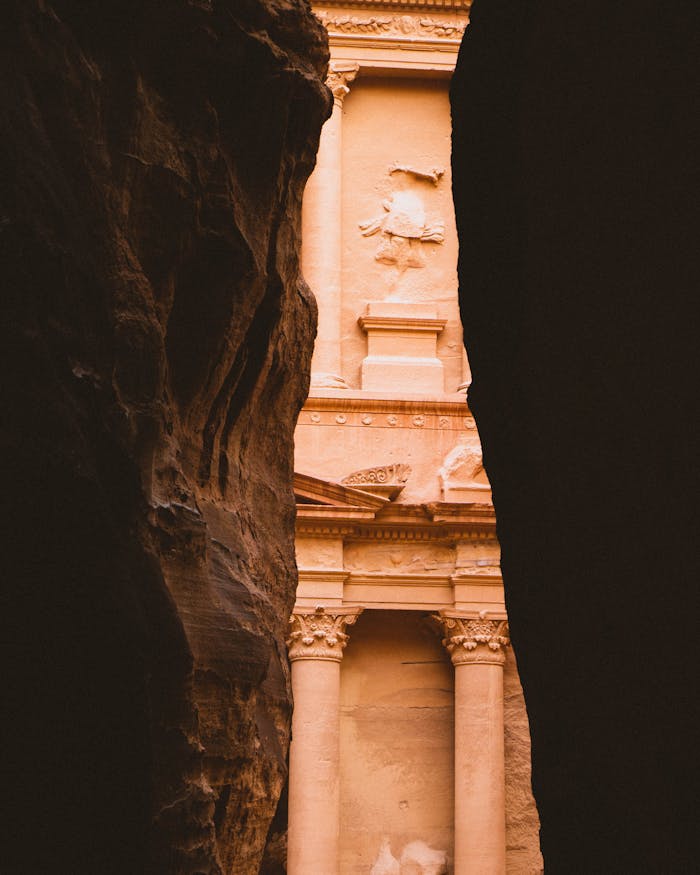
<point x="394" y="513"/>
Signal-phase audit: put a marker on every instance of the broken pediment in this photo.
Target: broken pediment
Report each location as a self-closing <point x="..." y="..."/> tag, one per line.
<point x="310" y="490"/>
<point x="385" y="480"/>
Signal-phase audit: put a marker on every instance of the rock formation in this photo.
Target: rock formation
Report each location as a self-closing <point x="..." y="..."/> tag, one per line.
<point x="574" y="155"/>
<point x="156" y="338"/>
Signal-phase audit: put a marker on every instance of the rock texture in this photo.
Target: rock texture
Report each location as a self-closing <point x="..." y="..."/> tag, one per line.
<point x="522" y="824"/>
<point x="574" y="158"/>
<point x="155" y="343"/>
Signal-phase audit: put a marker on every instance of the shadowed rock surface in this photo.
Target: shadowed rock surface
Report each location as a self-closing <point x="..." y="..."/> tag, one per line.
<point x="575" y="151"/>
<point x="155" y="341"/>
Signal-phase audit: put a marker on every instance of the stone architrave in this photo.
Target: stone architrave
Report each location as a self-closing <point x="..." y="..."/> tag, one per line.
<point x="321" y="234"/>
<point x="477" y="648"/>
<point x="316" y="643"/>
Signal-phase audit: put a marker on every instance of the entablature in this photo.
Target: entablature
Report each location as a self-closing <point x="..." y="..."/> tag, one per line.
<point x="387" y="36"/>
<point x="397" y="591"/>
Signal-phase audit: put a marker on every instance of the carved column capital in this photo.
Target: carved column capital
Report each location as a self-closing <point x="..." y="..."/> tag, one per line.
<point x="319" y="633"/>
<point x="472" y="640"/>
<point x="340" y="75"/>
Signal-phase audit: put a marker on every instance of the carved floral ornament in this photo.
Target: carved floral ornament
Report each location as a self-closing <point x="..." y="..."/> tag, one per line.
<point x="384" y="474"/>
<point x="393" y="25"/>
<point x="320" y="635"/>
<point x="474" y="640"/>
<point x="340" y="75"/>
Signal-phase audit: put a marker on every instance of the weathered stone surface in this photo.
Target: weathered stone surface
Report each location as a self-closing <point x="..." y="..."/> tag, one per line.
<point x="522" y="823"/>
<point x="155" y="342"/>
<point x="573" y="161"/>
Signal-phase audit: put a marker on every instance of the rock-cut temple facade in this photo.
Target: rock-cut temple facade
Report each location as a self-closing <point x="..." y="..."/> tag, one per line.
<point x="410" y="746"/>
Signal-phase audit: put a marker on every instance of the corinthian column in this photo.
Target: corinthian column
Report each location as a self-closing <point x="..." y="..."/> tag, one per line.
<point x="316" y="646"/>
<point x="476" y="646"/>
<point x="321" y="234"/>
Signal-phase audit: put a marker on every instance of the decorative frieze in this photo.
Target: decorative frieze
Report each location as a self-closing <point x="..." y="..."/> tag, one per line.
<point x="319" y="634"/>
<point x="354" y="419"/>
<point x="474" y="639"/>
<point x="393" y="25"/>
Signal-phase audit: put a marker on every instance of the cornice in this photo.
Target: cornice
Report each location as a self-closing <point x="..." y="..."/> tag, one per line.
<point x="325" y="494"/>
<point x="478" y="530"/>
<point x="396" y="323"/>
<point x="333" y="513"/>
<point x="411" y="5"/>
<point x="324" y="575"/>
<point x="453" y="404"/>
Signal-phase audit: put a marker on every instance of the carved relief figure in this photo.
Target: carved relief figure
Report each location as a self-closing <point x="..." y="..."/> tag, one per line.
<point x="417" y="858"/>
<point x="463" y="465"/>
<point x="404" y="226"/>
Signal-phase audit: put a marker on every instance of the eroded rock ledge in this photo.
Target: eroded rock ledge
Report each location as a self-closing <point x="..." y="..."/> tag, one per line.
<point x="573" y="180"/>
<point x="155" y="341"/>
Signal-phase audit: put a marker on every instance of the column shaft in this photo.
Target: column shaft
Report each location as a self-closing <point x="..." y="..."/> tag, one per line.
<point x="480" y="828"/>
<point x="314" y="765"/>
<point x="476" y="646"/>
<point x="316" y="645"/>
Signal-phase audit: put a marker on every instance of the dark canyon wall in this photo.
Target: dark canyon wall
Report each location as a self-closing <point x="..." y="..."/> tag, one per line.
<point x="155" y="343"/>
<point x="575" y="168"/>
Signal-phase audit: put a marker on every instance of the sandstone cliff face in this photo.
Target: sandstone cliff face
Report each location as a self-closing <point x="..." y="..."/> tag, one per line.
<point x="573" y="169"/>
<point x="156" y="338"/>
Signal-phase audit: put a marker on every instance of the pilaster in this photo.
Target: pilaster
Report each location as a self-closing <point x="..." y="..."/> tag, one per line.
<point x="321" y="234"/>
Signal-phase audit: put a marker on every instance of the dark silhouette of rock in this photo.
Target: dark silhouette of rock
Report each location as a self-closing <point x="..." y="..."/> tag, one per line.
<point x="575" y="157"/>
<point x="155" y="338"/>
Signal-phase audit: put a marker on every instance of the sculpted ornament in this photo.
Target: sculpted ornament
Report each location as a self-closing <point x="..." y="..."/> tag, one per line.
<point x="319" y="635"/>
<point x="397" y="25"/>
<point x="385" y="474"/>
<point x="463" y="465"/>
<point x="340" y="75"/>
<point x="404" y="226"/>
<point x="417" y="857"/>
<point x="476" y="640"/>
